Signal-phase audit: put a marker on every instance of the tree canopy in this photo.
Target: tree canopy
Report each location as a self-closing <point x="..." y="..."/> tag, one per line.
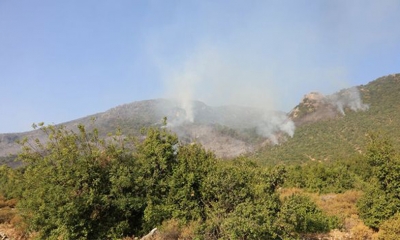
<point x="80" y="186"/>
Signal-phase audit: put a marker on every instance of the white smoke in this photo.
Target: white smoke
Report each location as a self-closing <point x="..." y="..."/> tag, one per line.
<point x="218" y="78"/>
<point x="246" y="56"/>
<point x="185" y="84"/>
<point x="274" y="124"/>
<point x="184" y="80"/>
<point x="348" y="98"/>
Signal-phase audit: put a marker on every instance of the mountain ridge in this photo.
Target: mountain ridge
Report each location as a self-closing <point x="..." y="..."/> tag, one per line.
<point x="230" y="131"/>
<point x="216" y="122"/>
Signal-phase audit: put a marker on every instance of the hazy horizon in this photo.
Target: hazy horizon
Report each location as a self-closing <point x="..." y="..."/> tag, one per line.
<point x="60" y="60"/>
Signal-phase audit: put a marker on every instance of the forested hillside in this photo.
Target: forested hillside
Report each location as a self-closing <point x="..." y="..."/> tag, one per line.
<point x="343" y="136"/>
<point x="228" y="130"/>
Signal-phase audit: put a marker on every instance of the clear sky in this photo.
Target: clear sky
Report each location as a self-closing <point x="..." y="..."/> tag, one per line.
<point x="62" y="60"/>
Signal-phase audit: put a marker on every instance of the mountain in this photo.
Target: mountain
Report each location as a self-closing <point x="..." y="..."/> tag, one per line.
<point x="226" y="130"/>
<point x="325" y="134"/>
<point x="313" y="107"/>
<point x="327" y="127"/>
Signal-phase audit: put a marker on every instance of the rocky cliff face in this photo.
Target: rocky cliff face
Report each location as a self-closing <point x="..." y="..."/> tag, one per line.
<point x="312" y="108"/>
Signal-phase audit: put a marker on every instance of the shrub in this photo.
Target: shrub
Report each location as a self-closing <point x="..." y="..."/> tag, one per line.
<point x="361" y="232"/>
<point x="375" y="206"/>
<point x="382" y="197"/>
<point x="77" y="186"/>
<point x="390" y="229"/>
<point x="342" y="205"/>
<point x="320" y="177"/>
<point x="172" y="229"/>
<point x="301" y="215"/>
<point x="6" y="214"/>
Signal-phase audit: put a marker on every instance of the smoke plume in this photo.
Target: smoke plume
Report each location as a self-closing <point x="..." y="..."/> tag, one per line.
<point x="219" y="78"/>
<point x="348" y="98"/>
<point x="266" y="55"/>
<point x="274" y="124"/>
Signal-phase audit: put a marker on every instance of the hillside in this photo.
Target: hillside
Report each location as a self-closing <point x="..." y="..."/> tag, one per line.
<point x="186" y="192"/>
<point x="323" y="135"/>
<point x="327" y="127"/>
<point x="227" y="130"/>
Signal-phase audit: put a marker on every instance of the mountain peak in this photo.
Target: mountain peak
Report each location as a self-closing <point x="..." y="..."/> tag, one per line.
<point x="313" y="107"/>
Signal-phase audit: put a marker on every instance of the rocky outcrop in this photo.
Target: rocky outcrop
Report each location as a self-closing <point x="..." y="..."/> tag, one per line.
<point x="312" y="108"/>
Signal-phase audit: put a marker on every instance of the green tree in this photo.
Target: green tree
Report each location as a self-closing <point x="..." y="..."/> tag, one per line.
<point x="321" y="177"/>
<point x="253" y="220"/>
<point x="75" y="186"/>
<point x="300" y="215"/>
<point x="382" y="198"/>
<point x="78" y="186"/>
<point x="188" y="182"/>
<point x="241" y="201"/>
<point x="375" y="206"/>
<point x="8" y="178"/>
<point x="156" y="158"/>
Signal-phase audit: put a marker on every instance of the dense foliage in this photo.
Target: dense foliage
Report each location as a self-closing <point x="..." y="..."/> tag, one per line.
<point x="382" y="197"/>
<point x="79" y="186"/>
<point x="322" y="178"/>
<point x="300" y="213"/>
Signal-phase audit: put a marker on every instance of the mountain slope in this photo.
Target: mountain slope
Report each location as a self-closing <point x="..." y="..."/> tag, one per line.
<point x="223" y="130"/>
<point x="327" y="127"/>
<point x="337" y="136"/>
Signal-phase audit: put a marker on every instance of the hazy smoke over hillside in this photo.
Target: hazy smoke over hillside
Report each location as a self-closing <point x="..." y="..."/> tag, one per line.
<point x="348" y="98"/>
<point x="264" y="57"/>
<point x="275" y="123"/>
<point x="217" y="78"/>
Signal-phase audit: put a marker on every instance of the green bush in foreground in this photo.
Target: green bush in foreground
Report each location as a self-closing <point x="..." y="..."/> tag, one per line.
<point x="78" y="186"/>
<point x="300" y="215"/>
<point x="382" y="197"/>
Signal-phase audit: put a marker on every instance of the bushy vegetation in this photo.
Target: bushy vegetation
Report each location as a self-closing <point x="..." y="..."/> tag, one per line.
<point x="321" y="177"/>
<point x="382" y="196"/>
<point x="80" y="186"/>
<point x="375" y="174"/>
<point x="304" y="216"/>
<point x="390" y="229"/>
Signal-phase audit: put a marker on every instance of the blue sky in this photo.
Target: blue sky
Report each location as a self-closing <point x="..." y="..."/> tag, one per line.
<point x="62" y="60"/>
